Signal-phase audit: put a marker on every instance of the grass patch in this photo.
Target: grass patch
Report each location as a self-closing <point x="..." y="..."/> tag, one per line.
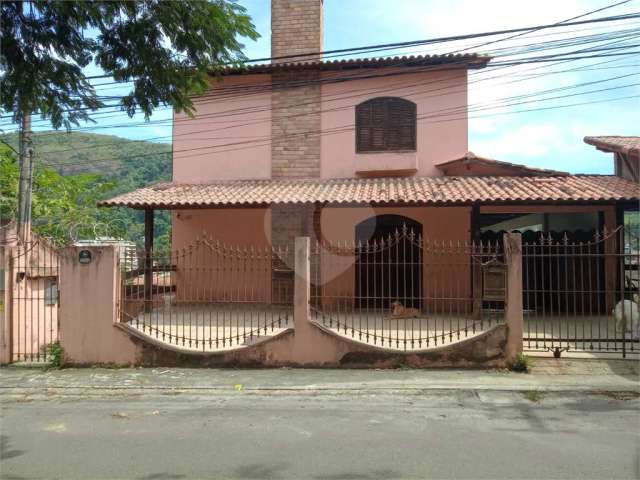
<point x="534" y="396"/>
<point x="522" y="364"/>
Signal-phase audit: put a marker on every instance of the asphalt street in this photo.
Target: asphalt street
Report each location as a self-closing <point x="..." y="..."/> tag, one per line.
<point x="318" y="434"/>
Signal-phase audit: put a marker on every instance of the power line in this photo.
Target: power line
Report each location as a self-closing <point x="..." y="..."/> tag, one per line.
<point x="243" y="91"/>
<point x="430" y="118"/>
<point x="545" y="59"/>
<point x="368" y="48"/>
<point x="471" y="107"/>
<point x="328" y="53"/>
<point x="504" y="64"/>
<point x="413" y="95"/>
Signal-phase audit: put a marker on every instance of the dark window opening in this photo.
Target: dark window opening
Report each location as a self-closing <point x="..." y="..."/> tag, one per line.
<point x="51" y="293"/>
<point x="386" y="124"/>
<point x="390" y="273"/>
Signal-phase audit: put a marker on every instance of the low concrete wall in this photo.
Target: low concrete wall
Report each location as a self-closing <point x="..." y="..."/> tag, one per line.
<point x="317" y="348"/>
<point x="90" y="332"/>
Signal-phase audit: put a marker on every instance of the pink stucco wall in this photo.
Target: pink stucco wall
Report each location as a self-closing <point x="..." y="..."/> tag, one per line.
<point x="239" y="227"/>
<point x="89" y="309"/>
<point x="229" y="137"/>
<point x="251" y="228"/>
<point x="437" y="141"/>
<point x="199" y="274"/>
<point x="438" y="223"/>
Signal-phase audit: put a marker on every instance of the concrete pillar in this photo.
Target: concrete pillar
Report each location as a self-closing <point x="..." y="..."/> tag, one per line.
<point x="310" y="345"/>
<point x="513" y="302"/>
<point x="302" y="287"/>
<point x="89" y="308"/>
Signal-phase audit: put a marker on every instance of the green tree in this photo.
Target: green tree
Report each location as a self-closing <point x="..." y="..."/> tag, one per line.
<point x="64" y="207"/>
<point x="9" y="174"/>
<point x="167" y="49"/>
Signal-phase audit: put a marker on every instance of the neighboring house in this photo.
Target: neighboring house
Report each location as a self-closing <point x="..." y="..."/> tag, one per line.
<point x="626" y="153"/>
<point x="344" y="150"/>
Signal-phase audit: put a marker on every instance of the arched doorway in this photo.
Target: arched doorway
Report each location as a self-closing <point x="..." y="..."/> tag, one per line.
<point x="388" y="262"/>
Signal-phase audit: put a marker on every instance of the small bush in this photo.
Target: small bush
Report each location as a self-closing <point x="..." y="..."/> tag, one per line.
<point x="522" y="363"/>
<point x="56" y="354"/>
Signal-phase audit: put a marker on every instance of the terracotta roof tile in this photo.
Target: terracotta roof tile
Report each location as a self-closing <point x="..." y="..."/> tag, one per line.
<point x="414" y="190"/>
<point x="615" y="143"/>
<point x="470" y="60"/>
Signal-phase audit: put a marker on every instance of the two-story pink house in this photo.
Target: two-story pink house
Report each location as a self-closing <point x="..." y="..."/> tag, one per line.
<point x="349" y="152"/>
<point x="305" y="146"/>
<point x="344" y="149"/>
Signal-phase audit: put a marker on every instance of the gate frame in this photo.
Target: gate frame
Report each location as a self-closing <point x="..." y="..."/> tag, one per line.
<point x="6" y="346"/>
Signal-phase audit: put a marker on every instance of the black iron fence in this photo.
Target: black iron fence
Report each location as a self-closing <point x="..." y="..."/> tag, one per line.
<point x="403" y="292"/>
<point x="208" y="296"/>
<point x="582" y="296"/>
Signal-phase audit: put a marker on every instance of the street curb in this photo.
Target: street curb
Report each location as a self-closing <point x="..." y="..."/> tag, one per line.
<point x="568" y="389"/>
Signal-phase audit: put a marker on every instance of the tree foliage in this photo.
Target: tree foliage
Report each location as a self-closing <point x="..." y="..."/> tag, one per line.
<point x="167" y="49"/>
<point x="120" y="165"/>
<point x="64" y="207"/>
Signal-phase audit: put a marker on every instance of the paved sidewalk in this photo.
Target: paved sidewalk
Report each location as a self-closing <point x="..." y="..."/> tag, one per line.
<point x="550" y="375"/>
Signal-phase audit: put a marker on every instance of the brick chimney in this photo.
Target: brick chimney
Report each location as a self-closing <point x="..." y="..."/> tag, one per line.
<point x="296" y="28"/>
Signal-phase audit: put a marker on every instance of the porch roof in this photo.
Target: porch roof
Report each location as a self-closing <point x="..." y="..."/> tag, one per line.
<point x="388" y="190"/>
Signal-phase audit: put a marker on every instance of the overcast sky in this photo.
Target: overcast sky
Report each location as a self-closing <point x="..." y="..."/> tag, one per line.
<point x="549" y="138"/>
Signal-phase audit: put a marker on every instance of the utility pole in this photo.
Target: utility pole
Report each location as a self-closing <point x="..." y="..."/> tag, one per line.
<point x="26" y="179"/>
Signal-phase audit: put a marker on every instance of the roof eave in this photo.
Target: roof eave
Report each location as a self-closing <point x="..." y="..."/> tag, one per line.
<point x="472" y="61"/>
<point x="434" y="203"/>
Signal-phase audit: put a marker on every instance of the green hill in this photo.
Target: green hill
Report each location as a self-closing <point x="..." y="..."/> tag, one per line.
<point x="130" y="164"/>
<point x="80" y="152"/>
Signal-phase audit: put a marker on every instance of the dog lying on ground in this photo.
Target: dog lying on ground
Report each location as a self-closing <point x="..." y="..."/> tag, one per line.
<point x="400" y="311"/>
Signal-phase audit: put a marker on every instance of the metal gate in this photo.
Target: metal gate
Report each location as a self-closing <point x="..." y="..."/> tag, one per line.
<point x="31" y="300"/>
<point x="582" y="296"/>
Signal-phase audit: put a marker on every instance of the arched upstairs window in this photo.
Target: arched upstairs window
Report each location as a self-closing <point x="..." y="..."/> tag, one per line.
<point x="386" y="124"/>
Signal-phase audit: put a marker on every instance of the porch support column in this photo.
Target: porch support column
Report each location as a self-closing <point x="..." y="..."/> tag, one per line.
<point x="613" y="283"/>
<point x="513" y="311"/>
<point x="148" y="261"/>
